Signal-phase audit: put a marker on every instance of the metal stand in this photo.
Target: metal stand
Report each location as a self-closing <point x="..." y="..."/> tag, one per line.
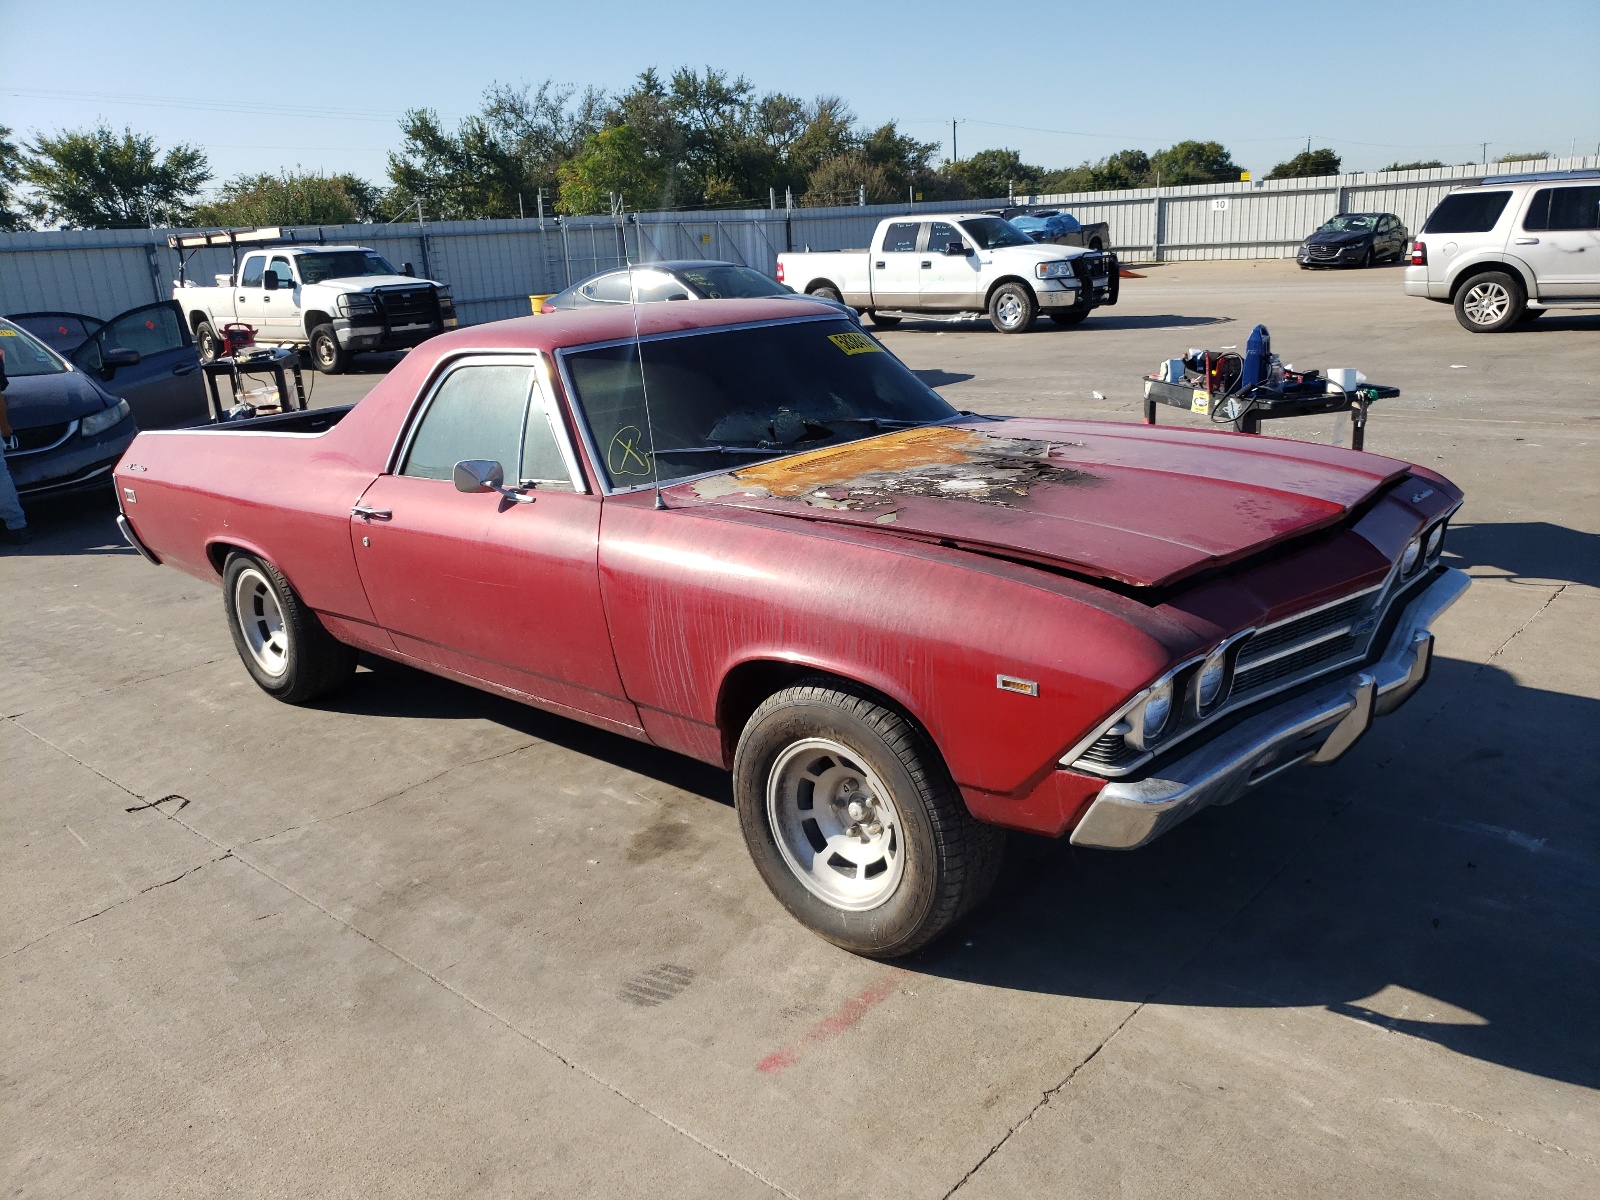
<point x="1294" y="400"/>
<point x="279" y="362"/>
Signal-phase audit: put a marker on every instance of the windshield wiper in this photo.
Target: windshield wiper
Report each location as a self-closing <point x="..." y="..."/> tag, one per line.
<point x="719" y="450"/>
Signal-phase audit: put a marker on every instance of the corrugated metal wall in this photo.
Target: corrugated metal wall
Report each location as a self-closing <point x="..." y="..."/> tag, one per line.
<point x="493" y="266"/>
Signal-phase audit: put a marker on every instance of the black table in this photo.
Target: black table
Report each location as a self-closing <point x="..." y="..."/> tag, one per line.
<point x="274" y="361"/>
<point x="1292" y="399"/>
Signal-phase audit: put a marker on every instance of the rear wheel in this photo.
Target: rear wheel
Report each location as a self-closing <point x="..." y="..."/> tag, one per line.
<point x="1012" y="308"/>
<point x="282" y="643"/>
<point x="206" y="342"/>
<point x="826" y="292"/>
<point x="854" y="823"/>
<point x="326" y="354"/>
<point x="882" y="321"/>
<point x="1490" y="302"/>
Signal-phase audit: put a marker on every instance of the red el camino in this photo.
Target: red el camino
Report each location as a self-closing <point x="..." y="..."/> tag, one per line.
<point x="901" y="627"/>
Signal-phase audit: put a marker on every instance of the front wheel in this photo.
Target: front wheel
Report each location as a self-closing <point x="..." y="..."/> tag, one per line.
<point x="1012" y="308"/>
<point x="206" y="342"/>
<point x="326" y="354"/>
<point x="883" y="321"/>
<point x="1490" y="302"/>
<point x="282" y="643"/>
<point x="854" y="823"/>
<point x="1072" y="316"/>
<point x="826" y="292"/>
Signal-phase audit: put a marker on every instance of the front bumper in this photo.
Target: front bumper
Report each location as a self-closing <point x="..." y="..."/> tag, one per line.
<point x="1341" y="257"/>
<point x="382" y="337"/>
<point x="76" y="465"/>
<point x="1316" y="727"/>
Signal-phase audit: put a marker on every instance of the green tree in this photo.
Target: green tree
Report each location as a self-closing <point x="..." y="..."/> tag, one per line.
<point x="95" y="179"/>
<point x="292" y="198"/>
<point x="840" y="179"/>
<point x="1193" y="162"/>
<point x="1523" y="156"/>
<point x="1306" y="164"/>
<point x="1116" y="172"/>
<point x="11" y="218"/>
<point x="615" y="160"/>
<point x="1414" y="166"/>
<point x="992" y="173"/>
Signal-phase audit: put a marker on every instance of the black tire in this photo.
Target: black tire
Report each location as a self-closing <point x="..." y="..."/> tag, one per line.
<point x="1012" y="308"/>
<point x="882" y="321"/>
<point x="306" y="660"/>
<point x="326" y="354"/>
<point x="946" y="860"/>
<point x="1366" y="260"/>
<point x="1490" y="301"/>
<point x="1071" y="317"/>
<point x="206" y="342"/>
<point x="1533" y="314"/>
<point x="1095" y="244"/>
<point x="826" y="292"/>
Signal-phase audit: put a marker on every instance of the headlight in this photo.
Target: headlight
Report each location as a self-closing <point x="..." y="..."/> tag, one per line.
<point x="353" y="303"/>
<point x="1410" y="558"/>
<point x="1434" y="544"/>
<point x="1157" y="709"/>
<point x="1213" y="675"/>
<point x="442" y="291"/>
<point x="105" y="419"/>
<point x="1054" y="270"/>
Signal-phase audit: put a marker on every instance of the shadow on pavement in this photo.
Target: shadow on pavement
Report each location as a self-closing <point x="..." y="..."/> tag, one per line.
<point x="1103" y="320"/>
<point x="935" y="378"/>
<point x="1527" y="550"/>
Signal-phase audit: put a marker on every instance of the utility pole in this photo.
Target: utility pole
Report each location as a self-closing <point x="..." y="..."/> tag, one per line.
<point x="520" y="211"/>
<point x="1486" y="154"/>
<point x="954" y="157"/>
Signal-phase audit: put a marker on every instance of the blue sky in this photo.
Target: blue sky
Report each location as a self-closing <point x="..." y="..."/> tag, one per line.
<point x="323" y="85"/>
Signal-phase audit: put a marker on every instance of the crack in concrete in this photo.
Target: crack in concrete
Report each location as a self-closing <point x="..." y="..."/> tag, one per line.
<point x="1522" y="1133"/>
<point x="466" y="998"/>
<point x="113" y="688"/>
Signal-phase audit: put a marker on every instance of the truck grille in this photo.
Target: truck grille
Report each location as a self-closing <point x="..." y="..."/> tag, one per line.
<point x="1087" y="266"/>
<point x="408" y="306"/>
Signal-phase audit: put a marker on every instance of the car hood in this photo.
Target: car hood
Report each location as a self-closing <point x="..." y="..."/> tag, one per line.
<point x="1140" y="505"/>
<point x="34" y="400"/>
<point x="1039" y="252"/>
<point x="1334" y="237"/>
<point x="363" y="282"/>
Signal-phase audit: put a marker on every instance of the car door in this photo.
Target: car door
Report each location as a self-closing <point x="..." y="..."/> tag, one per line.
<point x="164" y="388"/>
<point x="500" y="591"/>
<point x="63" y="332"/>
<point x="1559" y="237"/>
<point x="895" y="266"/>
<point x="248" y="296"/>
<point x="280" y="306"/>
<point x="948" y="281"/>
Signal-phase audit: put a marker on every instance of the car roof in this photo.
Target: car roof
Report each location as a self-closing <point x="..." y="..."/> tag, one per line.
<point x="586" y="326"/>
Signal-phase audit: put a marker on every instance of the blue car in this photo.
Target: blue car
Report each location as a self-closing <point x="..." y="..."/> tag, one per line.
<point x="68" y="432"/>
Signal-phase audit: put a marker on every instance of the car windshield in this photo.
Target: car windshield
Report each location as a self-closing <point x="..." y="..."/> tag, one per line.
<point x="26" y="354"/>
<point x="1350" y="223"/>
<point x="991" y="233"/>
<point x="731" y="397"/>
<point x="343" y="264"/>
<point x="731" y="283"/>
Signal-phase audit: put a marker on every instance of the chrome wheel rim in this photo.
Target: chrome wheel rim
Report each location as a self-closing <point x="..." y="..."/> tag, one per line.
<point x="1009" y="309"/>
<point x="1486" y="303"/>
<point x="255" y="606"/>
<point x="325" y="352"/>
<point x="836" y="824"/>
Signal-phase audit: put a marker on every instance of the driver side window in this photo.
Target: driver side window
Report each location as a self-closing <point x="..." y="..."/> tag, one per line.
<point x="280" y="267"/>
<point x="477" y="412"/>
<point x="940" y="236"/>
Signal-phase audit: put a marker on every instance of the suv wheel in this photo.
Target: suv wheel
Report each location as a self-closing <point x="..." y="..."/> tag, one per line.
<point x="1490" y="301"/>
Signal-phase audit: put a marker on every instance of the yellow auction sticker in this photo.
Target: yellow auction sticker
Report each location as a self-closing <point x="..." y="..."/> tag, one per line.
<point x="855" y="343"/>
<point x="1201" y="402"/>
<point x="8" y="333"/>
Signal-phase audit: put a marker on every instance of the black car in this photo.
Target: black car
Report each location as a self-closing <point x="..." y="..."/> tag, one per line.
<point x="68" y="432"/>
<point x="1354" y="240"/>
<point x="694" y="279"/>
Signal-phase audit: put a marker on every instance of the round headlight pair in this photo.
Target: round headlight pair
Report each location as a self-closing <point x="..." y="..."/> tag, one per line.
<point x="1157" y="709"/>
<point x="1209" y="684"/>
<point x="1434" y="544"/>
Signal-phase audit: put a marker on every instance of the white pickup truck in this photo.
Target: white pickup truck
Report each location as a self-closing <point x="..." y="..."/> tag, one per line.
<point x="336" y="300"/>
<point x="954" y="263"/>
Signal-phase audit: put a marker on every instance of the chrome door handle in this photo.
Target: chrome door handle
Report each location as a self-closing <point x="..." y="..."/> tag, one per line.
<point x="379" y="514"/>
<point x="1525" y="242"/>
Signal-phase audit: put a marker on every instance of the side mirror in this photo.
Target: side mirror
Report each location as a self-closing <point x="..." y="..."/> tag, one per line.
<point x="116" y="356"/>
<point x="270" y="281"/>
<point x="485" y="475"/>
<point x="409" y="271"/>
<point x="957" y="250"/>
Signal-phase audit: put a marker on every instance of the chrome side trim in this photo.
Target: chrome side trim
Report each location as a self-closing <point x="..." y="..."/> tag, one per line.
<point x="1318" y="727"/>
<point x="132" y="538"/>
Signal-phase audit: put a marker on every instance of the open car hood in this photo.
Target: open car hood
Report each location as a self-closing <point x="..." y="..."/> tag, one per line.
<point x="1141" y="505"/>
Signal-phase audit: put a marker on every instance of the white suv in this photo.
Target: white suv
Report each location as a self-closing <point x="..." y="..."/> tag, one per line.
<point x="1509" y="249"/>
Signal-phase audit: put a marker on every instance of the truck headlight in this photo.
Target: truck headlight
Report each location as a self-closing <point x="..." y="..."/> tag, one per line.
<point x="1054" y="270"/>
<point x="357" y="304"/>
<point x="105" y="419"/>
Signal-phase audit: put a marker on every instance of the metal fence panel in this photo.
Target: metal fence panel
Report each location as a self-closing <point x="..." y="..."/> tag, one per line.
<point x="493" y="266"/>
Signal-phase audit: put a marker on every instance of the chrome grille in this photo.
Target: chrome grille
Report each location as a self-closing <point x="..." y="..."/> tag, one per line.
<point x="1302" y="645"/>
<point x="1109" y="751"/>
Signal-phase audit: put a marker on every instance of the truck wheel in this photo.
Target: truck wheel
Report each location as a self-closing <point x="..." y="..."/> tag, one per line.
<point x="284" y="646"/>
<point x="826" y="292"/>
<point x="1490" y="302"/>
<point x="1012" y="308"/>
<point x="326" y="354"/>
<point x="206" y="342"/>
<point x="883" y="321"/>
<point x="854" y="823"/>
<point x="1095" y="244"/>
<point x="1072" y="316"/>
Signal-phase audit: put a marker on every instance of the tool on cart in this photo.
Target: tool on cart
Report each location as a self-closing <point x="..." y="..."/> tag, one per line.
<point x="236" y="335"/>
<point x="1242" y="390"/>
